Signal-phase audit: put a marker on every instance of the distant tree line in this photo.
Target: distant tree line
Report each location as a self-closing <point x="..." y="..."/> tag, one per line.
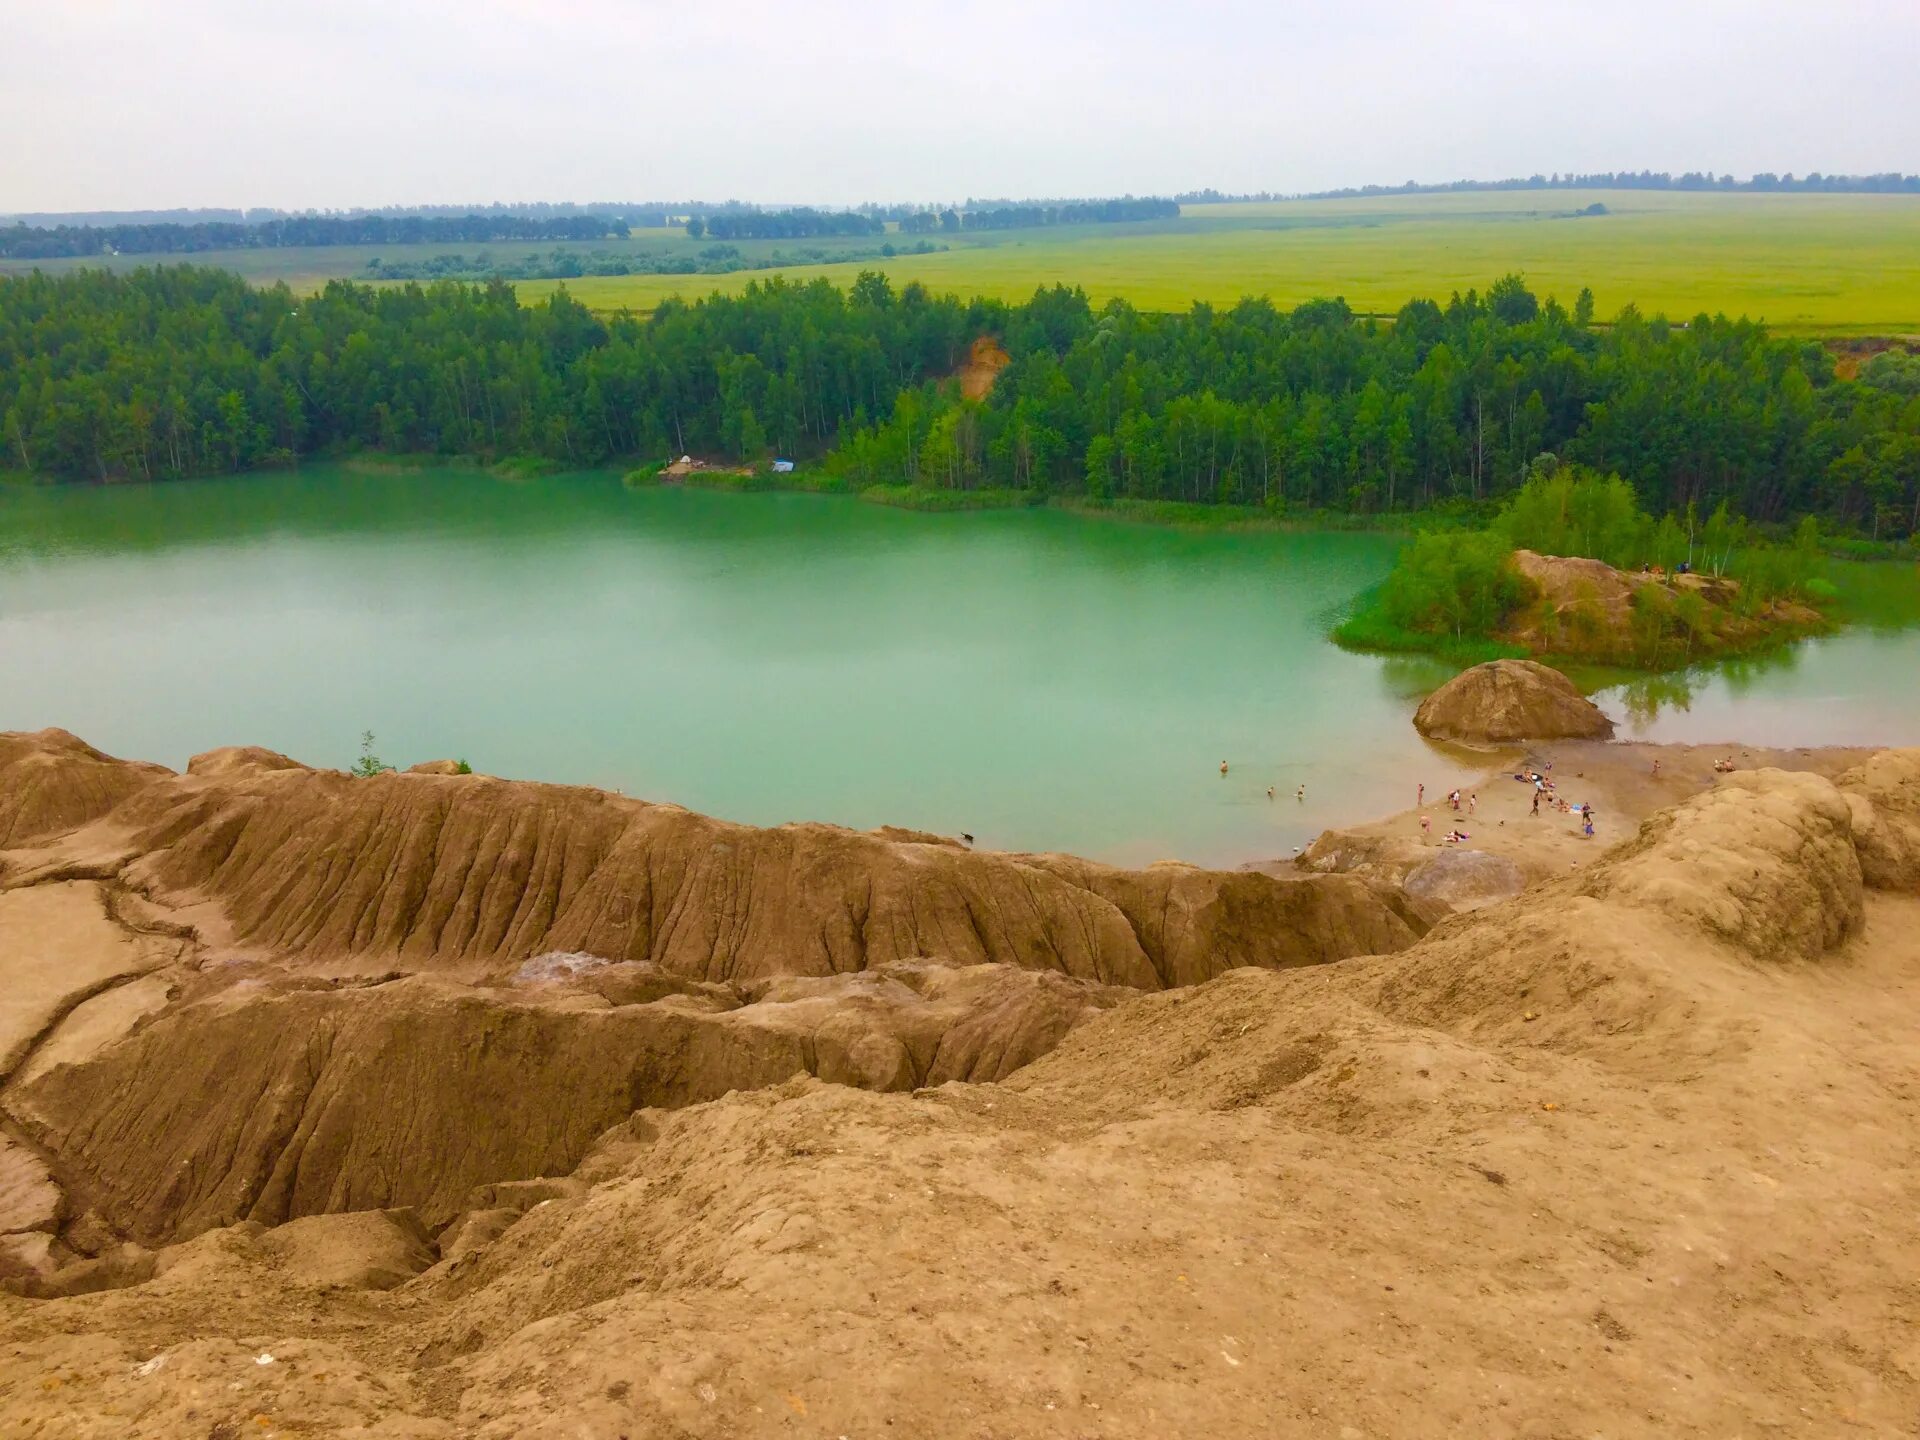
<point x="1083" y="212"/>
<point x="636" y="213"/>
<point x="1764" y="182"/>
<point x="871" y="220"/>
<point x="718" y="259"/>
<point x="31" y="243"/>
<point x="801" y="223"/>
<point x="26" y="242"/>
<point x="184" y="370"/>
<point x="1020" y="217"/>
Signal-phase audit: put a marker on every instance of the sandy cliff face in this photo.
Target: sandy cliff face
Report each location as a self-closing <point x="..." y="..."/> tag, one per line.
<point x="1630" y="1153"/>
<point x="445" y="872"/>
<point x="385" y="992"/>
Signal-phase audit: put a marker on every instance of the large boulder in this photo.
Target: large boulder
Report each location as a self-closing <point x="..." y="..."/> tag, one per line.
<point x="1506" y="700"/>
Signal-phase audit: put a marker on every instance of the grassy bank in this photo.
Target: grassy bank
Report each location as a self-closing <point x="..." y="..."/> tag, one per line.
<point x="1368" y="630"/>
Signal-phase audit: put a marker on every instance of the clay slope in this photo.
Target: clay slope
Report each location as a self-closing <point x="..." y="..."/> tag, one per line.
<point x="268" y="1103"/>
<point x="262" y="1054"/>
<point x="1629" y="1154"/>
<point x="52" y="781"/>
<point x="446" y="872"/>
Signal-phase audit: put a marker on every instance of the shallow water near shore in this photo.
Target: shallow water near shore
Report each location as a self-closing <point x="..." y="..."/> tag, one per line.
<point x="1042" y="680"/>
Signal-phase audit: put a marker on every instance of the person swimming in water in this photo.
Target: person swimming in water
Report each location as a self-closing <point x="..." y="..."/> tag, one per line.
<point x="1223" y="767"/>
<point x="1301" y="793"/>
<point x="1269" y="792"/>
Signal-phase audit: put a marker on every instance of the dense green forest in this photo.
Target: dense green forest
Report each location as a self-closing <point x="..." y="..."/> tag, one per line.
<point x="181" y="370"/>
<point x="29" y="242"/>
<point x="1251" y="405"/>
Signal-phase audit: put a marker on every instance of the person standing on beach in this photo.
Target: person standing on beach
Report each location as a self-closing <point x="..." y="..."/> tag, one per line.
<point x="1536" y="801"/>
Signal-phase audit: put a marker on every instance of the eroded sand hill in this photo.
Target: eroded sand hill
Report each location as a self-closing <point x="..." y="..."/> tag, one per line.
<point x="377" y="1114"/>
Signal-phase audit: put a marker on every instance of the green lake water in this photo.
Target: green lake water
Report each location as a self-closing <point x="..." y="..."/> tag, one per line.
<point x="1041" y="680"/>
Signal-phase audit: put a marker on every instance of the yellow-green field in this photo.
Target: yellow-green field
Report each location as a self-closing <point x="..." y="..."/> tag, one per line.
<point x="1819" y="264"/>
<point x="1839" y="264"/>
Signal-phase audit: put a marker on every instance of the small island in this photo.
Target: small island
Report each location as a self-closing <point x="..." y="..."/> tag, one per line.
<point x="1573" y="570"/>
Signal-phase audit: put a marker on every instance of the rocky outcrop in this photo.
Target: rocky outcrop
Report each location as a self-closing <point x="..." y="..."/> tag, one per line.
<point x="1504" y="701"/>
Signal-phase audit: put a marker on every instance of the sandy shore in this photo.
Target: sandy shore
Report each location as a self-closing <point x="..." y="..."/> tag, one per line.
<point x="1615" y="777"/>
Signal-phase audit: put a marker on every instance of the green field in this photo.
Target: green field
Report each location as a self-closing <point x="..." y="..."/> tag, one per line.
<point x="1821" y="264"/>
<point x="1844" y="264"/>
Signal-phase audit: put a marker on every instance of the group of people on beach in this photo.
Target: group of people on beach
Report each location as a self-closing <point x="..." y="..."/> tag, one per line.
<point x="1543" y="789"/>
<point x="1541" y="779"/>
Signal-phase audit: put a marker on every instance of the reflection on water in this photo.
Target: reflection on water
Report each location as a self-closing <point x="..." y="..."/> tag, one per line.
<point x="1858" y="687"/>
<point x="1645" y="698"/>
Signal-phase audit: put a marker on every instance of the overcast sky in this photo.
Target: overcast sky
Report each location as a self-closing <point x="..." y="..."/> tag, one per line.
<point x="153" y="103"/>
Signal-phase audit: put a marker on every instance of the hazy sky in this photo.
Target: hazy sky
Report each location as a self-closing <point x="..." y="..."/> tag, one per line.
<point x="151" y="103"/>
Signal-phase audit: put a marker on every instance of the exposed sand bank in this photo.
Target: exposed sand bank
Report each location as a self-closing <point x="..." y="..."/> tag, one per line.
<point x="475" y="1109"/>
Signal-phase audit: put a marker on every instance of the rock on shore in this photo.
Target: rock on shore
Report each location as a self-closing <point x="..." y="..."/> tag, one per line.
<point x="1507" y="700"/>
